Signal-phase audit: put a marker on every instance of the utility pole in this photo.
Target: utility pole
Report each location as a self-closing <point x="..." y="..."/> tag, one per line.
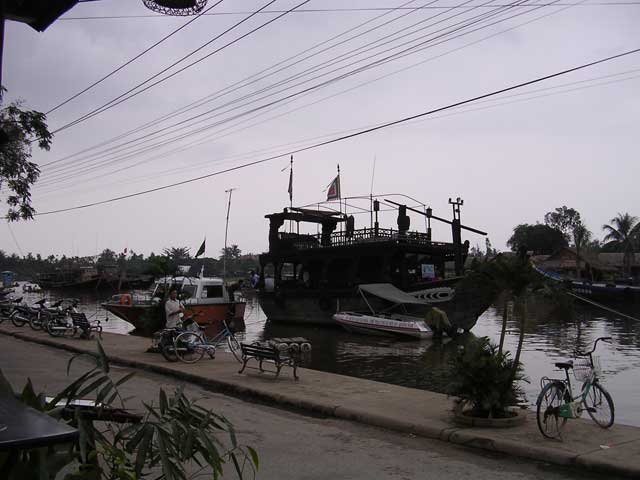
<point x="1" y="39"/>
<point x="455" y="229"/>
<point x="226" y="230"/>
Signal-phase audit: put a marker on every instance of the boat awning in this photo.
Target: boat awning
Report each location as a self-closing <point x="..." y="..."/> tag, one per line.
<point x="391" y="293"/>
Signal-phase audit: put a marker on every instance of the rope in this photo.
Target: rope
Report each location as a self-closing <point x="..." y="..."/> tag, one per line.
<point x="599" y="305"/>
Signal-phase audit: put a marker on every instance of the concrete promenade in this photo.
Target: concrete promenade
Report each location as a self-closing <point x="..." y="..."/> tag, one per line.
<point x="406" y="410"/>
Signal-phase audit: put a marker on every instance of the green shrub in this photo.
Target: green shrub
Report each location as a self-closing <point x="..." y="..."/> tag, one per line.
<point x="485" y="379"/>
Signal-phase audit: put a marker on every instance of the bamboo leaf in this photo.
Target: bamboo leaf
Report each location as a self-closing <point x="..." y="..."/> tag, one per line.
<point x="254" y="457"/>
<point x="103" y="360"/>
<point x="124" y="379"/>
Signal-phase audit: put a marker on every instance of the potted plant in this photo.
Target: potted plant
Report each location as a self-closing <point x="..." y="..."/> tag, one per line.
<point x="485" y="385"/>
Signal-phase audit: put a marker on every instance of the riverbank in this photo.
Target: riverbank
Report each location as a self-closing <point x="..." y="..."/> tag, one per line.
<point x="406" y="410"/>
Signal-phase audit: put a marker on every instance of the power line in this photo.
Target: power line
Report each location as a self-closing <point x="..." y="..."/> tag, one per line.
<point x="306" y="90"/>
<point x="339" y="93"/>
<point x="333" y="10"/>
<point x="129" y="62"/>
<point x="131" y="93"/>
<point x="469" y="110"/>
<point x="216" y="93"/>
<point x="353" y="135"/>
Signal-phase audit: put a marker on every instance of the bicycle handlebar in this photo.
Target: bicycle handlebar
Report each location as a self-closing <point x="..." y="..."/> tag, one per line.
<point x="595" y="344"/>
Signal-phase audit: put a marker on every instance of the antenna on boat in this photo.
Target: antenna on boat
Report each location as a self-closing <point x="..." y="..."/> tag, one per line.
<point x="226" y="230"/>
<point x="373" y="174"/>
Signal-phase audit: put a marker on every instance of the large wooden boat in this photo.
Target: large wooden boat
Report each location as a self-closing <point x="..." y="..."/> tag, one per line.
<point x="307" y="278"/>
<point x="91" y="277"/>
<point x="207" y="297"/>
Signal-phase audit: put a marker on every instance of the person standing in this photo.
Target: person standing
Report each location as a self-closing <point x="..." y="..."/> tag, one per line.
<point x="174" y="310"/>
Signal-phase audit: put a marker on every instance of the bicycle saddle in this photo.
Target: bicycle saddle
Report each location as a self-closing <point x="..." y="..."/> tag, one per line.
<point x="565" y="365"/>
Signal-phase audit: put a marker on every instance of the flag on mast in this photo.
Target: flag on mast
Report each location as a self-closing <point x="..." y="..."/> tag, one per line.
<point x="333" y="190"/>
<point x="201" y="249"/>
<point x="291" y="181"/>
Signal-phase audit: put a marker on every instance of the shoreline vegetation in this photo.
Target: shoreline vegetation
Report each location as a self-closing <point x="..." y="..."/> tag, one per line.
<point x="29" y="266"/>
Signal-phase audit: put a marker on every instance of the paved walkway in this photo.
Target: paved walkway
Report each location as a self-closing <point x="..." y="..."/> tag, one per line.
<point x="419" y="412"/>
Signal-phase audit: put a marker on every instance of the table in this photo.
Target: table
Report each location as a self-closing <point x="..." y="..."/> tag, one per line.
<point x="22" y="427"/>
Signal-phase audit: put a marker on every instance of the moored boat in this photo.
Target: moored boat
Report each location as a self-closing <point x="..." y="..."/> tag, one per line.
<point x="205" y="297"/>
<point x="394" y="320"/>
<point x="383" y="325"/>
<point x="306" y="278"/>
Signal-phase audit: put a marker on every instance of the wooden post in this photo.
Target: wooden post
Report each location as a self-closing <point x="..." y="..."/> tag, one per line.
<point x="1" y="41"/>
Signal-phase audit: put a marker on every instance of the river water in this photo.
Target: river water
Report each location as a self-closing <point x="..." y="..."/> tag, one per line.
<point x="425" y="364"/>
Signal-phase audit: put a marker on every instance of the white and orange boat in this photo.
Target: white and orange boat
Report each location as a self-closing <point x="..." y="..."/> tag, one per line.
<point x="206" y="297"/>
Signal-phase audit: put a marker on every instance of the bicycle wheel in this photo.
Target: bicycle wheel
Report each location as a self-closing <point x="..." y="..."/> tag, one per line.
<point x="600" y="406"/>
<point x="190" y="347"/>
<point x="167" y="349"/>
<point x="35" y="322"/>
<point x="18" y="320"/>
<point x="552" y="396"/>
<point x="234" y="347"/>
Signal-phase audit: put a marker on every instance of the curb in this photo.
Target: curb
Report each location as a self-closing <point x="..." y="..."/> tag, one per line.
<point x="455" y="435"/>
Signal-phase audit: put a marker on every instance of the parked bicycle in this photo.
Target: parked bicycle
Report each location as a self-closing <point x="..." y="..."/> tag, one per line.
<point x="556" y="403"/>
<point x="190" y="346"/>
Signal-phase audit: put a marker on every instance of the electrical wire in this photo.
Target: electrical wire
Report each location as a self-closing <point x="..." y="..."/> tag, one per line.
<point x="253" y="78"/>
<point x="476" y="19"/>
<point x="130" y="61"/>
<point x="468" y="110"/>
<point x="356" y="134"/>
<point x="327" y="10"/>
<point x="131" y="93"/>
<point x="529" y="21"/>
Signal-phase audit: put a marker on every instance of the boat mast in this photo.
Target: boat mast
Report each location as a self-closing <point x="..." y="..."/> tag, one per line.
<point x="226" y="230"/>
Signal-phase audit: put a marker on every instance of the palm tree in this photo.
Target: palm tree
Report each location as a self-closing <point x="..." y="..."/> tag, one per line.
<point x="581" y="236"/>
<point x="623" y="232"/>
<point x="177" y="253"/>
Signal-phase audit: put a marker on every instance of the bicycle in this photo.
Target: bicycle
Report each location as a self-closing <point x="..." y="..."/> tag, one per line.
<point x="190" y="346"/>
<point x="556" y="403"/>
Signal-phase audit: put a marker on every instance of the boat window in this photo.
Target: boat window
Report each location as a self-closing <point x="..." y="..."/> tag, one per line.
<point x="212" y="291"/>
<point x="188" y="291"/>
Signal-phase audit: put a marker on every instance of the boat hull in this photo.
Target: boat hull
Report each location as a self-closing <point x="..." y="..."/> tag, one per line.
<point x="315" y="308"/>
<point x="209" y="316"/>
<point x="370" y="325"/>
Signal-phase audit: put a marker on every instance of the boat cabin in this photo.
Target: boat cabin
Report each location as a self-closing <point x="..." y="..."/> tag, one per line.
<point x="193" y="290"/>
<point x="345" y="258"/>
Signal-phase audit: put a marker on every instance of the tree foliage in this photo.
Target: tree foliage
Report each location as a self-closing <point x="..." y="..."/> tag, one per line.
<point x="541" y="239"/>
<point x="177" y="253"/>
<point x="19" y="130"/>
<point x="624" y="233"/>
<point x="564" y="219"/>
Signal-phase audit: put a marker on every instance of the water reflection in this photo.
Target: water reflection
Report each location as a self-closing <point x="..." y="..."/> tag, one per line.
<point x="425" y="364"/>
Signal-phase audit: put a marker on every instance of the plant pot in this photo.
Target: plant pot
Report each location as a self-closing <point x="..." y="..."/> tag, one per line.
<point x="464" y="418"/>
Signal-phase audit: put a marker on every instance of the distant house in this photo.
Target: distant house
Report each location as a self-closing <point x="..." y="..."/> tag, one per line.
<point x="615" y="260"/>
<point x="564" y="263"/>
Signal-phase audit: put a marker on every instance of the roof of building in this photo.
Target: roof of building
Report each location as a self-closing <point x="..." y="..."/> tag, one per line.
<point x="38" y="14"/>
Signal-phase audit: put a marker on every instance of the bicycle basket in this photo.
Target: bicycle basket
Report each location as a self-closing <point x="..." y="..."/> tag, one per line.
<point x="582" y="368"/>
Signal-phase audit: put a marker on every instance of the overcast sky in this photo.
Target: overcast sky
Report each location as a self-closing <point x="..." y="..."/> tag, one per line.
<point x="511" y="159"/>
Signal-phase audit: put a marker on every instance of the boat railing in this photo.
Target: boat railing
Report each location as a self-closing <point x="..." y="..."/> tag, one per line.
<point x="364" y="235"/>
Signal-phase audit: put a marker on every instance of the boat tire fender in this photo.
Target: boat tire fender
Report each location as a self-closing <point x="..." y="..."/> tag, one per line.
<point x="126" y="299"/>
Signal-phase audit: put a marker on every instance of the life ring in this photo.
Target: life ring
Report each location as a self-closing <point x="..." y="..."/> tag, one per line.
<point x="126" y="299"/>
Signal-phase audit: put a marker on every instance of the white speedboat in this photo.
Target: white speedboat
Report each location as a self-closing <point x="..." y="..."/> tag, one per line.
<point x="389" y="321"/>
<point x="394" y="325"/>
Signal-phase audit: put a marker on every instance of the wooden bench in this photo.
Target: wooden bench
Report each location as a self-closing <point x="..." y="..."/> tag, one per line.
<point x="267" y="354"/>
<point x="81" y="323"/>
